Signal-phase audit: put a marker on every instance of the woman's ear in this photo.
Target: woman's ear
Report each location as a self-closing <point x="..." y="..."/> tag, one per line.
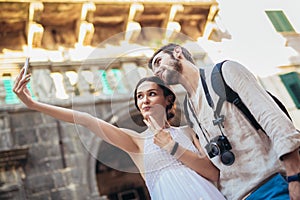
<point x="177" y="53"/>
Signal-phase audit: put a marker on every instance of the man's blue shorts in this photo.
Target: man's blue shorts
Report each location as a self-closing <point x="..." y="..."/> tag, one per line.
<point x="274" y="189"/>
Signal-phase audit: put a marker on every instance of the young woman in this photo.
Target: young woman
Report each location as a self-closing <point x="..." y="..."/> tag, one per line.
<point x="170" y="164"/>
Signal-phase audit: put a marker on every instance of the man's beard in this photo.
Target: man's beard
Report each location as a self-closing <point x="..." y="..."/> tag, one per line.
<point x="172" y="76"/>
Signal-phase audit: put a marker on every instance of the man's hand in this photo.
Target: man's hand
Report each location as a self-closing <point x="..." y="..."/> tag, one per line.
<point x="291" y="162"/>
<point x="294" y="190"/>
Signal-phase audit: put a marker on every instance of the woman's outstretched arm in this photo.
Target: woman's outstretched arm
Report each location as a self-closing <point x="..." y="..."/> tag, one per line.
<point x="111" y="134"/>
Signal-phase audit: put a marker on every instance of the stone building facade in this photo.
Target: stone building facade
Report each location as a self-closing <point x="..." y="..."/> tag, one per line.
<point x="86" y="56"/>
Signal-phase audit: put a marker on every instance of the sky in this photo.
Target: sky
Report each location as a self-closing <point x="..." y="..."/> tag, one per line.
<point x="255" y="42"/>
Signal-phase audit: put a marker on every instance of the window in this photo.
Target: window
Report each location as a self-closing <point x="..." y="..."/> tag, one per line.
<point x="120" y="86"/>
<point x="115" y="84"/>
<point x="11" y="97"/>
<point x="292" y="84"/>
<point x="280" y="21"/>
<point x="106" y="87"/>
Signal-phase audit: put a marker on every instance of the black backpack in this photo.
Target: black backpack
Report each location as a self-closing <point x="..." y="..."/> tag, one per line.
<point x="227" y="94"/>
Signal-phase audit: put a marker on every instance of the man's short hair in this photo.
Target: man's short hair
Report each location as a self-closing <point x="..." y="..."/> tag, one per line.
<point x="169" y="48"/>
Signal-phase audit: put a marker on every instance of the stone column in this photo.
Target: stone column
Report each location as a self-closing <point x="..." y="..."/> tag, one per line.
<point x="131" y="74"/>
<point x="2" y="92"/>
<point x="68" y="87"/>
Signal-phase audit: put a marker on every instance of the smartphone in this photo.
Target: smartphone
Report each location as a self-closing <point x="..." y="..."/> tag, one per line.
<point x="26" y="65"/>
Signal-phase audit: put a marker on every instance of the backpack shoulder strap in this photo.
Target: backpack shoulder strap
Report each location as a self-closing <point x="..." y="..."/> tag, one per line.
<point x="226" y="93"/>
<point x="280" y="104"/>
<point x="186" y="112"/>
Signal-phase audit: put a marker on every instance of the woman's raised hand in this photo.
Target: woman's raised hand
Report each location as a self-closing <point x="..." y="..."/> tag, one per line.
<point x="162" y="138"/>
<point x="21" y="90"/>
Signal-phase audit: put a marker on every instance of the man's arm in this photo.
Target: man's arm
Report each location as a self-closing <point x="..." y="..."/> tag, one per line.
<point x="291" y="161"/>
<point x="275" y="123"/>
<point x="282" y="132"/>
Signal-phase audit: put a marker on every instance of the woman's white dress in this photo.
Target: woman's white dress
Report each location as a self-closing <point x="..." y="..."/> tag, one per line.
<point x="167" y="178"/>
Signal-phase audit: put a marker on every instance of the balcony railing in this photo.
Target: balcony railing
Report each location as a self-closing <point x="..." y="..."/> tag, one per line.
<point x="65" y="80"/>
